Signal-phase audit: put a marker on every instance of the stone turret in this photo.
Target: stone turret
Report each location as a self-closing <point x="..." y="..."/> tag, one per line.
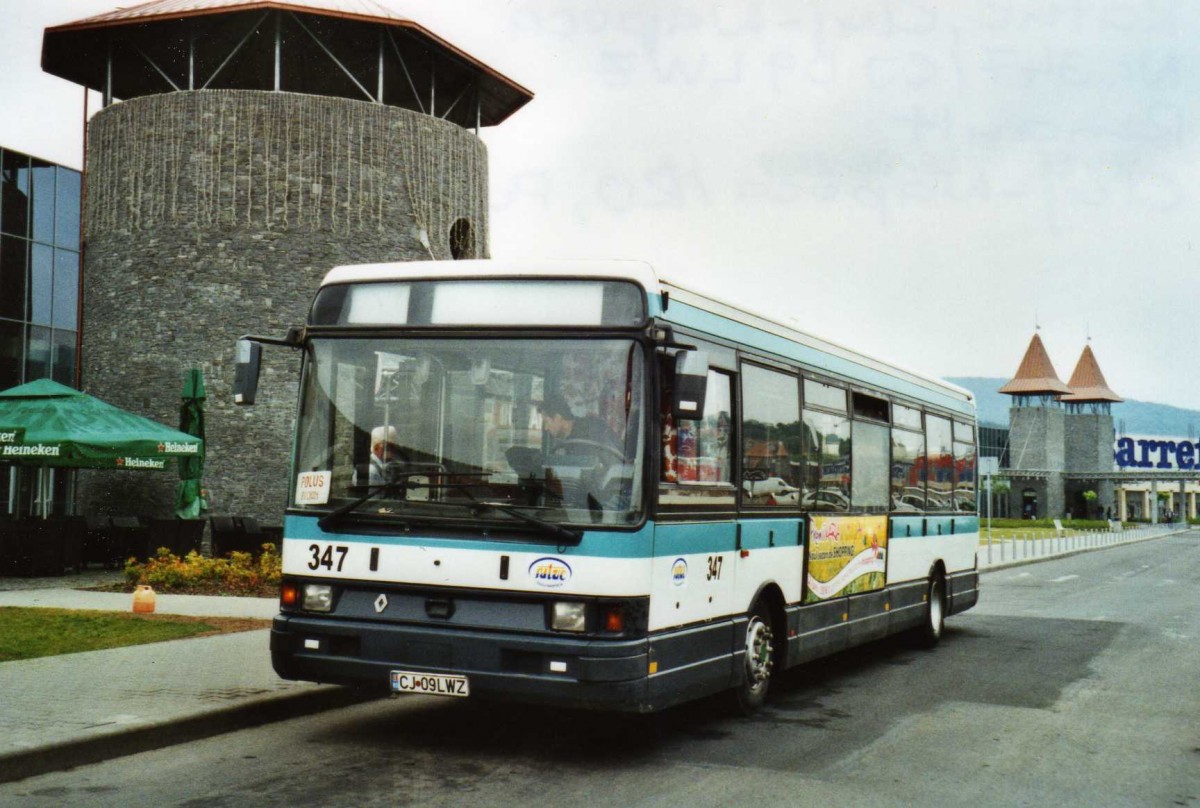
<point x="1089" y="435"/>
<point x="1036" y="433"/>
<point x="258" y="145"/>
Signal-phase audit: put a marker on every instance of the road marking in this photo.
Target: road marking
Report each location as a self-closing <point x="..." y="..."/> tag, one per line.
<point x="1063" y="578"/>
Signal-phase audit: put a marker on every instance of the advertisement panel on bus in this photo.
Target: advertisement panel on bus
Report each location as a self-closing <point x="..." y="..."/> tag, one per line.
<point x="848" y="555"/>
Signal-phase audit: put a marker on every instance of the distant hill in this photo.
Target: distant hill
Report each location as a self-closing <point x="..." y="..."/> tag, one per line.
<point x="1139" y="417"/>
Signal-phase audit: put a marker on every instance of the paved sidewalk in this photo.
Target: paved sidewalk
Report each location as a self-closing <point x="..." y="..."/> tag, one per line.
<point x="70" y="710"/>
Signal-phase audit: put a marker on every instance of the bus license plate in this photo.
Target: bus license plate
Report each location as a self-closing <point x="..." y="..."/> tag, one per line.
<point x="430" y="684"/>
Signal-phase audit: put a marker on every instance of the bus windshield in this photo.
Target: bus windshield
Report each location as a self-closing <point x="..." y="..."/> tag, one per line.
<point x="502" y="430"/>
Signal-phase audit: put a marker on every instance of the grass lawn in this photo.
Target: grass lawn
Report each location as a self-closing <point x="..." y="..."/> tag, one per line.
<point x="999" y="533"/>
<point x="26" y="633"/>
<point x="1021" y="533"/>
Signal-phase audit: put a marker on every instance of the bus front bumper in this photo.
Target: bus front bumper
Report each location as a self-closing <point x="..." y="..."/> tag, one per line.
<point x="566" y="671"/>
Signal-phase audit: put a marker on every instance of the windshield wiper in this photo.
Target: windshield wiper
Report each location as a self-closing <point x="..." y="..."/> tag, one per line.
<point x="400" y="481"/>
<point x="562" y="534"/>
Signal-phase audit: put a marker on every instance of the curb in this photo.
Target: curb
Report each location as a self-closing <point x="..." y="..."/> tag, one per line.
<point x="129" y="741"/>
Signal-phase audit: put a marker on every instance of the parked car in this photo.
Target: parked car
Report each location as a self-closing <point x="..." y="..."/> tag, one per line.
<point x="825" y="500"/>
<point x="769" y="488"/>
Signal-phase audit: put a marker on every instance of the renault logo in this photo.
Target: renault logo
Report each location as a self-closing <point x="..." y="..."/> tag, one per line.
<point x="380" y="604"/>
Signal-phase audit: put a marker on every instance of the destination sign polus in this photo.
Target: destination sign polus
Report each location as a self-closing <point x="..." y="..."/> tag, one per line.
<point x="1145" y="453"/>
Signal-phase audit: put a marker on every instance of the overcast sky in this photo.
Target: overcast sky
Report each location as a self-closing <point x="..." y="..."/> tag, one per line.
<point x="924" y="182"/>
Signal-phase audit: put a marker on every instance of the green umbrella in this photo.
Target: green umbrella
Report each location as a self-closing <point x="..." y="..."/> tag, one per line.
<point x="44" y="423"/>
<point x="188" y="502"/>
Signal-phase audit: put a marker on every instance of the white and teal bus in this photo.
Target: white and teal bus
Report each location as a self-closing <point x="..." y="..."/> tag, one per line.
<point x="582" y="484"/>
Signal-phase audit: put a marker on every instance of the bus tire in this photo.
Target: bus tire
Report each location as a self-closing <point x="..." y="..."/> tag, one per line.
<point x="930" y="632"/>
<point x="760" y="660"/>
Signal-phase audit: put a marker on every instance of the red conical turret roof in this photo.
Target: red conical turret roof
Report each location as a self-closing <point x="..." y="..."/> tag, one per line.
<point x="1036" y="375"/>
<point x="1087" y="382"/>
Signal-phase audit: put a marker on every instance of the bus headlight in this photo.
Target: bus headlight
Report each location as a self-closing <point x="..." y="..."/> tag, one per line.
<point x="569" y="616"/>
<point x="317" y="598"/>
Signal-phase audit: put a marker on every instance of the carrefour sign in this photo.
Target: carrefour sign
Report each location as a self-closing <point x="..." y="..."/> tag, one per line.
<point x="1157" y="453"/>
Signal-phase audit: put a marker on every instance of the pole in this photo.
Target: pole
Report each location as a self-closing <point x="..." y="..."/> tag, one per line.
<point x="43" y="487"/>
<point x="278" y="50"/>
<point x="987" y="483"/>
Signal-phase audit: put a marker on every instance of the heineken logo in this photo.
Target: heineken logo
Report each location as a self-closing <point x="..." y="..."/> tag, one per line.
<point x="34" y="450"/>
<point x="179" y="448"/>
<point x="11" y="435"/>
<point x="140" y="463"/>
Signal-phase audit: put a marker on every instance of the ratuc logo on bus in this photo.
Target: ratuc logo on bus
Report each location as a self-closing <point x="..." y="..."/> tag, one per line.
<point x="550" y="572"/>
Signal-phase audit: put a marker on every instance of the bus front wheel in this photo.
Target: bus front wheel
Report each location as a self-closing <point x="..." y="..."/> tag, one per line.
<point x="760" y="658"/>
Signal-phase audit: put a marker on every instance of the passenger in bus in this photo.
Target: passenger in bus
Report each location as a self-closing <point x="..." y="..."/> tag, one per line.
<point x="384" y="450"/>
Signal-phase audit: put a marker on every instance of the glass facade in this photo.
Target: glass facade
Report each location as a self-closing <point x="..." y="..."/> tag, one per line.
<point x="993" y="442"/>
<point x="39" y="269"/>
<point x="39" y="302"/>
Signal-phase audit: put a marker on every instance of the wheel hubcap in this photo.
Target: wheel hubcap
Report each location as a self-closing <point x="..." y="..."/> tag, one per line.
<point x="759" y="659"/>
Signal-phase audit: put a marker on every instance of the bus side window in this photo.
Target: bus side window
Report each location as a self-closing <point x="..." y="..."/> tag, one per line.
<point x="964" y="475"/>
<point x="826" y="459"/>
<point x="770" y="438"/>
<point x="908" y="470"/>
<point x="696" y="454"/>
<point x="940" y="449"/>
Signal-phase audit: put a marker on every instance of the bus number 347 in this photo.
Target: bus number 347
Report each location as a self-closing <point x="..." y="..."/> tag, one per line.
<point x="714" y="567"/>
<point x="325" y="558"/>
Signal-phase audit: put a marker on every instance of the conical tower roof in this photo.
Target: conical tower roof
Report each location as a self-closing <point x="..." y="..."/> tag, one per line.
<point x="1087" y="382"/>
<point x="359" y="49"/>
<point x="1036" y="375"/>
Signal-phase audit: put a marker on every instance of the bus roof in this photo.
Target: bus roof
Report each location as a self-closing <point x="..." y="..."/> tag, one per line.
<point x="643" y="274"/>
<point x="638" y="271"/>
<point x="794" y="334"/>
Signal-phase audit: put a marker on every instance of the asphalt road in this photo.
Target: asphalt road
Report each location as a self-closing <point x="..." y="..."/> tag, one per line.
<point x="1074" y="682"/>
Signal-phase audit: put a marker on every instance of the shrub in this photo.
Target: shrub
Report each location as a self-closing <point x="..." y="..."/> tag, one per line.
<point x="239" y="574"/>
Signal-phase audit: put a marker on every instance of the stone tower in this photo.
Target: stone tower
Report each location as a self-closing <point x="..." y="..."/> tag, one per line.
<point x="256" y="145"/>
<point x="1088" y="436"/>
<point x="1036" y="431"/>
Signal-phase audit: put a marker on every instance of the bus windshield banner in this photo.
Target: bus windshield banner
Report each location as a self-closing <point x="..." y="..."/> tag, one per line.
<point x="847" y="555"/>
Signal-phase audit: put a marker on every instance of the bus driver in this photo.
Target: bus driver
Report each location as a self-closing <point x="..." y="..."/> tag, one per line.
<point x="577" y="435"/>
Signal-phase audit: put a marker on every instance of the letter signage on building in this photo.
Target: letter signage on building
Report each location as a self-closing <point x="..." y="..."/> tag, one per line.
<point x="1165" y="454"/>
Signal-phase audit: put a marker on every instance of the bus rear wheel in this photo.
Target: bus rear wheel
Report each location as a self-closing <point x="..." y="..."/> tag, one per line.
<point x="760" y="659"/>
<point x="931" y="629"/>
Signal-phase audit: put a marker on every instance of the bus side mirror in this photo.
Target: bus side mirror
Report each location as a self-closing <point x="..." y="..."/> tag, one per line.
<point x="691" y="383"/>
<point x="245" y="374"/>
